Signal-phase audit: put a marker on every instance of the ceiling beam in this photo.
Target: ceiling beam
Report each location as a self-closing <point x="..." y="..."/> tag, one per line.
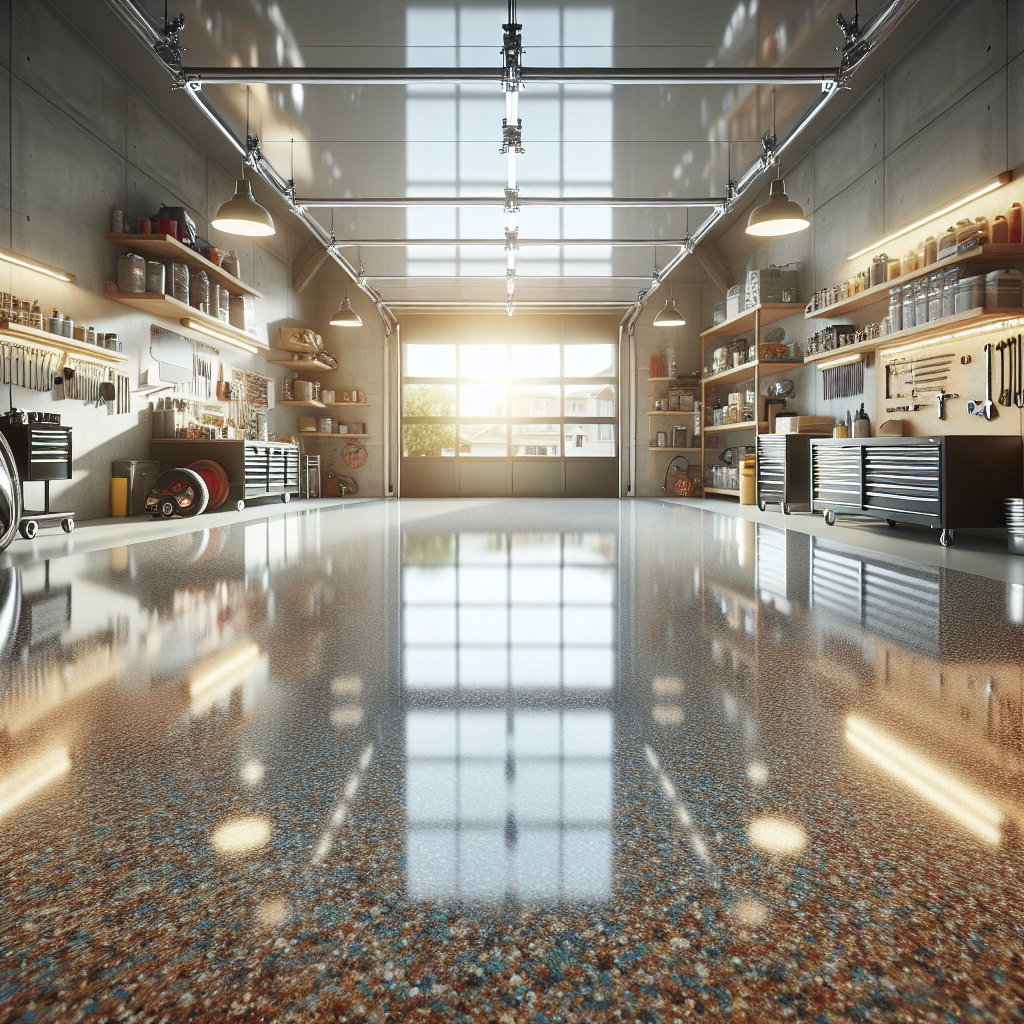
<point x="402" y="202"/>
<point x="499" y="243"/>
<point x="197" y="77"/>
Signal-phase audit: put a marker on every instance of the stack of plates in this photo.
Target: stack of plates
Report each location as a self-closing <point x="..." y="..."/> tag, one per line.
<point x="1015" y="525"/>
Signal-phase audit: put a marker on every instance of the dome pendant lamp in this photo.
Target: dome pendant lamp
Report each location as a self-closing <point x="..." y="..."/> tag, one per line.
<point x="669" y="316"/>
<point x="779" y="215"/>
<point x="346" y="315"/>
<point x="241" y="214"/>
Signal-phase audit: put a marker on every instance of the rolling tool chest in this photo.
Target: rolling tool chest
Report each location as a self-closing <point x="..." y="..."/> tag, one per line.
<point x="946" y="483"/>
<point x="783" y="471"/>
<point x="42" y="452"/>
<point x="255" y="469"/>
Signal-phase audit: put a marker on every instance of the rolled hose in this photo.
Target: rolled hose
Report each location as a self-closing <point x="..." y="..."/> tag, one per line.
<point x="10" y="495"/>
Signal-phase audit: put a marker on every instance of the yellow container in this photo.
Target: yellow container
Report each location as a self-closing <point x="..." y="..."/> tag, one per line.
<point x="747" y="482"/>
<point x="118" y="496"/>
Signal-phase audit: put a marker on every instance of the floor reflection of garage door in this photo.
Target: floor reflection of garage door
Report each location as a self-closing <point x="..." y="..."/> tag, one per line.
<point x="490" y="420"/>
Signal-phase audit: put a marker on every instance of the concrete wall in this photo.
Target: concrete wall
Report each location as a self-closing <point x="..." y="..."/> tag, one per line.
<point x="945" y="118"/>
<point x="78" y="139"/>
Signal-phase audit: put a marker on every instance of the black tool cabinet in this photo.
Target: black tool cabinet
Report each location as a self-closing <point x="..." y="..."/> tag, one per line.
<point x="784" y="471"/>
<point x="42" y="452"/>
<point x="957" y="481"/>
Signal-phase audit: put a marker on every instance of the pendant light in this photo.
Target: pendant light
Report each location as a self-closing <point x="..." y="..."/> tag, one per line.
<point x="241" y="214"/>
<point x="669" y="316"/>
<point x="779" y="215"/>
<point x="346" y="315"/>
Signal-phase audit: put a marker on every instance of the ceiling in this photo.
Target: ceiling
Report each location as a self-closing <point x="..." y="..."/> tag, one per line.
<point x="436" y="139"/>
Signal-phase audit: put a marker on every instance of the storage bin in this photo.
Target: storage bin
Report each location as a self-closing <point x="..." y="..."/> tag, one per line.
<point x="950" y="278"/>
<point x="970" y="293"/>
<point x="935" y="296"/>
<point x="131" y="273"/>
<point x="895" y="310"/>
<point x="920" y="301"/>
<point x="1003" y="289"/>
<point x="909" y="320"/>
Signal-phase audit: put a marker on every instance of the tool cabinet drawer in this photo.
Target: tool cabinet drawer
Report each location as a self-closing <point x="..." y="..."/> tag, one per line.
<point x="903" y="479"/>
<point x="836" y="476"/>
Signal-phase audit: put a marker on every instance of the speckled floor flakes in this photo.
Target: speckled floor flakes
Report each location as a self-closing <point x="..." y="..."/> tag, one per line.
<point x="526" y="762"/>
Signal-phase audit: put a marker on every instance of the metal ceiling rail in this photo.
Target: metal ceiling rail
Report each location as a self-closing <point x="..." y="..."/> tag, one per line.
<point x="402" y="202"/>
<point x="198" y="77"/>
<point x="497" y="243"/>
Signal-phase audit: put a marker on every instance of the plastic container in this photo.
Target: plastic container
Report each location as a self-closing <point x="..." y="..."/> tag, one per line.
<point x="154" y="277"/>
<point x="179" y="272"/>
<point x="908" y="263"/>
<point x="895" y="310"/>
<point x="971" y="234"/>
<point x="118" y="497"/>
<point x="909" y="319"/>
<point x="131" y="273"/>
<point x="950" y="277"/>
<point x="139" y="476"/>
<point x="199" y="291"/>
<point x="947" y="244"/>
<point x="1003" y="289"/>
<point x="892" y="270"/>
<point x="1013" y="220"/>
<point x="1000" y="230"/>
<point x="747" y="482"/>
<point x="970" y="293"/>
<point x="920" y="301"/>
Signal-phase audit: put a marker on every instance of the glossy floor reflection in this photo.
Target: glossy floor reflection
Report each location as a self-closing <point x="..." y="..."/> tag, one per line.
<point x="509" y="761"/>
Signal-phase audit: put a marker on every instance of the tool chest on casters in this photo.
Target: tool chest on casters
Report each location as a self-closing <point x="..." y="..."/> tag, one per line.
<point x="947" y="483"/>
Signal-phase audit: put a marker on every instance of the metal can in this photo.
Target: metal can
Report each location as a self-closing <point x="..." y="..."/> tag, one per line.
<point x="662" y="439"/>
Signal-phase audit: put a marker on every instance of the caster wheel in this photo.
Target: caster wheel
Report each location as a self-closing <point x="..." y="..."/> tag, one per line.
<point x="892" y="523"/>
<point x="785" y="508"/>
<point x="240" y="506"/>
<point x="67" y="525"/>
<point x="763" y="506"/>
<point x="946" y="538"/>
<point x="286" y="497"/>
<point x="167" y="509"/>
<point x="29" y="529"/>
<point x="829" y="516"/>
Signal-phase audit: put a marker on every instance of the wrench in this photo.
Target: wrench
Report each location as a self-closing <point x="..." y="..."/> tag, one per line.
<point x="1004" y="391"/>
<point x="941" y="398"/>
<point x="1019" y="398"/>
<point x="987" y="408"/>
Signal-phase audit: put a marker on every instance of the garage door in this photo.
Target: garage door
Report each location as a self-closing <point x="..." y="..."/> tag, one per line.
<point x="519" y="419"/>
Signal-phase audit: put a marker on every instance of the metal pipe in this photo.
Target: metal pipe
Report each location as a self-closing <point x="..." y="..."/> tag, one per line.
<point x="199" y="77"/>
<point x="381" y="243"/>
<point x="403" y="202"/>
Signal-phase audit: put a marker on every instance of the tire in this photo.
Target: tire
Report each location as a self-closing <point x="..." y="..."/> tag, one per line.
<point x="946" y="538"/>
<point x="286" y="497"/>
<point x="892" y="523"/>
<point x="167" y="509"/>
<point x="830" y="517"/>
<point x="240" y="506"/>
<point x="29" y="529"/>
<point x="785" y="508"/>
<point x="763" y="506"/>
<point x="67" y="525"/>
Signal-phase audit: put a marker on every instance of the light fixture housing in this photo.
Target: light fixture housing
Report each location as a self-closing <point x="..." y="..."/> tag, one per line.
<point x="18" y="260"/>
<point x="242" y="215"/>
<point x="778" y="216"/>
<point x="346" y="316"/>
<point x="193" y="324"/>
<point x="669" y="316"/>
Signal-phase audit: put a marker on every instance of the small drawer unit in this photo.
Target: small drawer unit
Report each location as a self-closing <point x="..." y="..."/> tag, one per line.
<point x="42" y="451"/>
<point x="951" y="482"/>
<point x="783" y="471"/>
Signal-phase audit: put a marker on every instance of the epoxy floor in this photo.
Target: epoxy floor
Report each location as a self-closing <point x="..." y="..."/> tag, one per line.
<point x="514" y="761"/>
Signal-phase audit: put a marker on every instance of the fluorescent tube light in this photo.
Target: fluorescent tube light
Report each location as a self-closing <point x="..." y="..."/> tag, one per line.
<point x="994" y="327"/>
<point x="998" y="182"/>
<point x="827" y="364"/>
<point x="10" y="256"/>
<point x="211" y="332"/>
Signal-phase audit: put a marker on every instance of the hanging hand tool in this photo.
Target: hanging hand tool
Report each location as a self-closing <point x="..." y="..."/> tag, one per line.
<point x="1004" y="391"/>
<point x="905" y="408"/>
<point x="941" y="399"/>
<point x="1019" y="398"/>
<point x="987" y="408"/>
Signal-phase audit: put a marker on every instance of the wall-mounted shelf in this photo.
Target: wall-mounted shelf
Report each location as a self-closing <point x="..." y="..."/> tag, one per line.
<point x="304" y="365"/>
<point x="167" y="247"/>
<point x="291" y="346"/>
<point x="158" y="304"/>
<point x="723" y="490"/>
<point x="53" y="342"/>
<point x="345" y="405"/>
<point x="935" y="329"/>
<point x="986" y="254"/>
<point x="729" y="428"/>
<point x="334" y="437"/>
<point x="311" y="404"/>
<point x="746" y="371"/>
<point x="669" y="412"/>
<point x="743" y="322"/>
<point x="654" y="448"/>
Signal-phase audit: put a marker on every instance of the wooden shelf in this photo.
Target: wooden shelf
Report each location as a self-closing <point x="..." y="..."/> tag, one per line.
<point x="986" y="254"/>
<point x="345" y="405"/>
<point x="667" y="412"/>
<point x="304" y="365"/>
<point x="305" y="405"/>
<point x="936" y="329"/>
<point x="158" y="304"/>
<point x="729" y="428"/>
<point x="746" y="371"/>
<point x="53" y="342"/>
<point x="723" y="490"/>
<point x="167" y="247"/>
<point x="743" y="322"/>
<point x="296" y="348"/>
<point x="664" y="448"/>
<point x="334" y="437"/>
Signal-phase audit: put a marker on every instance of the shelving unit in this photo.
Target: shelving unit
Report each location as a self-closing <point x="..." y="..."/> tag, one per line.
<point x="304" y="365"/>
<point x="345" y="405"/>
<point x="167" y="247"/>
<point x="159" y="305"/>
<point x="656" y="451"/>
<point x="934" y="330"/>
<point x="311" y="404"/>
<point x="750" y="320"/>
<point x="334" y="437"/>
<point x="52" y="342"/>
<point x="992" y="253"/>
